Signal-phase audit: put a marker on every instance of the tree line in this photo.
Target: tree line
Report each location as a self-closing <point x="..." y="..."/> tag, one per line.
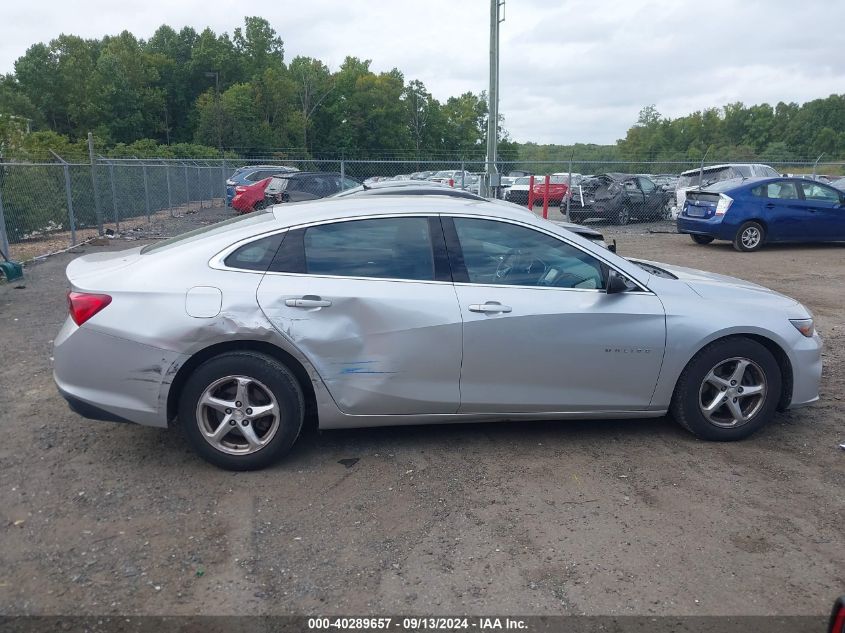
<point x="195" y="94"/>
<point x="229" y="92"/>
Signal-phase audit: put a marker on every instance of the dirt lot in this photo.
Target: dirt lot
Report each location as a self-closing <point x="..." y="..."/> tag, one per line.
<point x="601" y="517"/>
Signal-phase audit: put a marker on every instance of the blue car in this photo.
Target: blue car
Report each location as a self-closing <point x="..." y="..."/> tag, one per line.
<point x="754" y="211"/>
<point x="250" y="175"/>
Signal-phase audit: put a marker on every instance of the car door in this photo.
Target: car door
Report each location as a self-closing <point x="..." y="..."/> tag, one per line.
<point x="540" y="333"/>
<point x="652" y="197"/>
<point x="782" y="210"/>
<point x="635" y="197"/>
<point x="824" y="204"/>
<point x="370" y="303"/>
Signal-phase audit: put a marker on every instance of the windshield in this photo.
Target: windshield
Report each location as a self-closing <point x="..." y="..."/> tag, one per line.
<point x="443" y="174"/>
<point x="241" y="221"/>
<point x="525" y="180"/>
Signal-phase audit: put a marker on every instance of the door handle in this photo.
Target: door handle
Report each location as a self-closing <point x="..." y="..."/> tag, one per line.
<point x="308" y="301"/>
<point x="770" y="206"/>
<point x="491" y="307"/>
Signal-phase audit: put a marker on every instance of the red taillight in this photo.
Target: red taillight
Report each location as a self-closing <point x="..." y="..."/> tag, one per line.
<point x="837" y="617"/>
<point x="82" y="305"/>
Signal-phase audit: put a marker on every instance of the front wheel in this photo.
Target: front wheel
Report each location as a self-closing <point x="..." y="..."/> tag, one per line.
<point x="241" y="410"/>
<point x="749" y="237"/>
<point x="729" y="390"/>
<point x="701" y="239"/>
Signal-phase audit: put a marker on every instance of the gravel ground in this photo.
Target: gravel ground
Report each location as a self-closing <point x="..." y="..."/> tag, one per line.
<point x="599" y="517"/>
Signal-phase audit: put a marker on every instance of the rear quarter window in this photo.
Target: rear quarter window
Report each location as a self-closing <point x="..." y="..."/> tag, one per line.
<point x="256" y="255"/>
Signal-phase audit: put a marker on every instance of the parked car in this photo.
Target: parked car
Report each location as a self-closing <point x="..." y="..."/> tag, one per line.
<point x="838" y="184"/>
<point x="407" y="310"/>
<point x="290" y="187"/>
<point x="422" y="175"/>
<point x="695" y="178"/>
<point x="558" y="187"/>
<point x="246" y="176"/>
<point x="618" y="198"/>
<point x="752" y="212"/>
<point x="306" y="186"/>
<point x="250" y="198"/>
<point x="454" y="175"/>
<point x="518" y="191"/>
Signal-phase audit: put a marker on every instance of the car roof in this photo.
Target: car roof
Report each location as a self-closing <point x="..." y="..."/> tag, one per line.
<point x="297" y="174"/>
<point x="736" y="183"/>
<point x="690" y="172"/>
<point x="268" y="167"/>
<point x="354" y="206"/>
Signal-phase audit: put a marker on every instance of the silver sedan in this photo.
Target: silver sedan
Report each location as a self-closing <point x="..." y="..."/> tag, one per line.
<point x="387" y="310"/>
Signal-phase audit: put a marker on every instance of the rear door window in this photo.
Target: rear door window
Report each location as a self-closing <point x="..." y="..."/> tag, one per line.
<point x="782" y="190"/>
<point x="385" y="248"/>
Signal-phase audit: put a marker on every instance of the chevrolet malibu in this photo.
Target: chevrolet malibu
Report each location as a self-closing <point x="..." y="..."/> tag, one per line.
<point x="388" y="310"/>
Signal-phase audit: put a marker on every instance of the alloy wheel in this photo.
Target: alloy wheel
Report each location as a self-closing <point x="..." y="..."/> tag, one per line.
<point x="751" y="237"/>
<point x="732" y="392"/>
<point x="238" y="415"/>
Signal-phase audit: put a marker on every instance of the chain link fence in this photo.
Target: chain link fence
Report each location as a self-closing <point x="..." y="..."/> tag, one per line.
<point x="48" y="207"/>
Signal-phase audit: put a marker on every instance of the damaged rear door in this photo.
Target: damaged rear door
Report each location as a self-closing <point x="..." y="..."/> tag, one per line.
<point x="370" y="302"/>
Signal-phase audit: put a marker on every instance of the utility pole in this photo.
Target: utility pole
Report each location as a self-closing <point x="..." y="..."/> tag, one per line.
<point x="491" y="178"/>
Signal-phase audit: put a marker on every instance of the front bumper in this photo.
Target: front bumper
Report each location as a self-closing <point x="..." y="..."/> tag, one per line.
<point x="806" y="359"/>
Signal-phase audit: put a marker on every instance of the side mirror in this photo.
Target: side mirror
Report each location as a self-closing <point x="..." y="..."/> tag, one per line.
<point x="612" y="247"/>
<point x="615" y="283"/>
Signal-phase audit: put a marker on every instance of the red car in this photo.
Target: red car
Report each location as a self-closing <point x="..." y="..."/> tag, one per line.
<point x="557" y="189"/>
<point x="250" y="197"/>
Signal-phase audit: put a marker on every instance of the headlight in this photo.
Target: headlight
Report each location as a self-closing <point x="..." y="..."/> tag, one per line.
<point x="724" y="204"/>
<point x="805" y="326"/>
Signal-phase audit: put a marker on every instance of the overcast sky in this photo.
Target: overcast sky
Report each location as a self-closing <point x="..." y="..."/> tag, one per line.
<point x="571" y="70"/>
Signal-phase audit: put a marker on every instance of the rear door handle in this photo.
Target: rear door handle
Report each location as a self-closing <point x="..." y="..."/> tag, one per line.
<point x="770" y="206"/>
<point x="490" y="307"/>
<point x="308" y="301"/>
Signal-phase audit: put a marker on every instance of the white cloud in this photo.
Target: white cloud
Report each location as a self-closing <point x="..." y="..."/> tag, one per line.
<point x="578" y="70"/>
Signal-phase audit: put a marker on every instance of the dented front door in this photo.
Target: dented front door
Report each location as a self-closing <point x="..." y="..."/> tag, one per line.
<point x="381" y="346"/>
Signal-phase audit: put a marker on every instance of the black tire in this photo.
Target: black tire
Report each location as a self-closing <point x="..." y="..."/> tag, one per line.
<point x="260" y="205"/>
<point x="623" y="216"/>
<point x="701" y="239"/>
<point x="744" y="239"/>
<point x="686" y="408"/>
<point x="271" y="373"/>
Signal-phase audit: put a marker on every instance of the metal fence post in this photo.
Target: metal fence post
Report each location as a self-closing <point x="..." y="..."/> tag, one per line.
<point x="70" y="216"/>
<point x="114" y="199"/>
<point x="4" y="238"/>
<point x="187" y="186"/>
<point x="169" y="194"/>
<point x="342" y="171"/>
<point x="146" y="192"/>
<point x="223" y="180"/>
<point x="97" y="208"/>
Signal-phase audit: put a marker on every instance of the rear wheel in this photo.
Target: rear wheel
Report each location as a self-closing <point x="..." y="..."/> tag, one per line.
<point x="701" y="239"/>
<point x="729" y="390"/>
<point x="749" y="237"/>
<point x="241" y="410"/>
<point x="623" y="216"/>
